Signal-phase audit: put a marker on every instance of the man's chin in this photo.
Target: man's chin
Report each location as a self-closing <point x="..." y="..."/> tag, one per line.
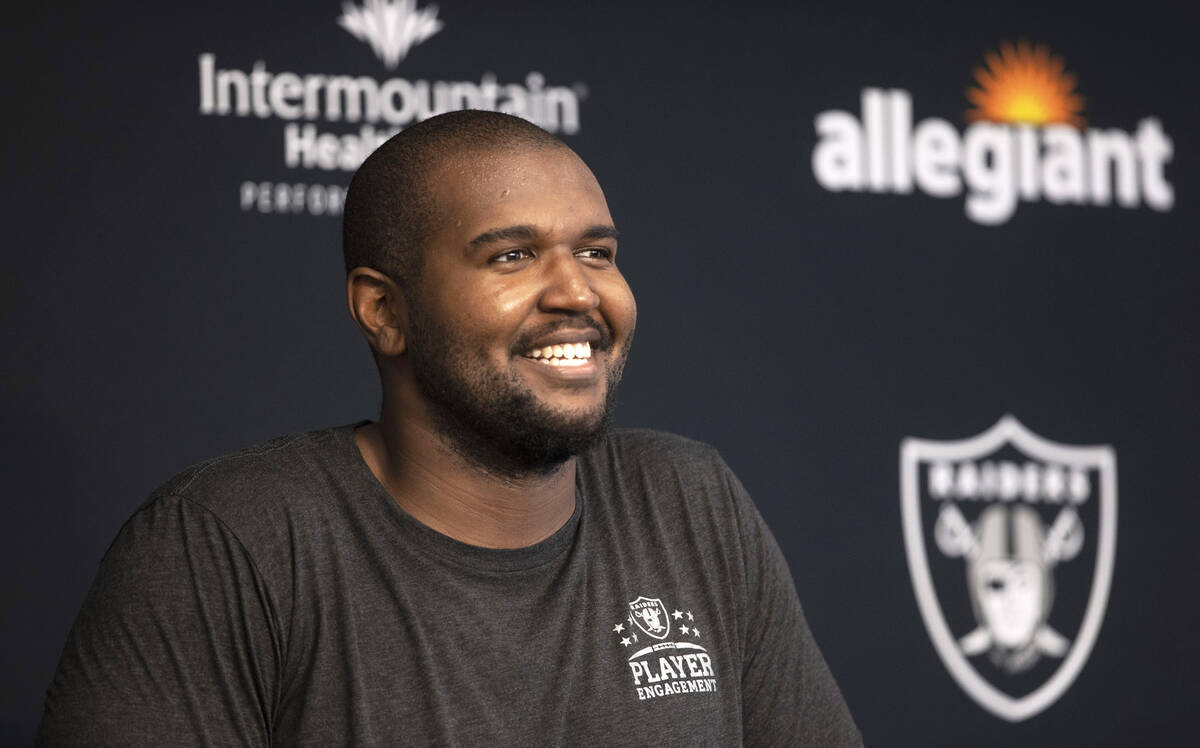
<point x="573" y="418"/>
<point x="544" y="452"/>
<point x="548" y="436"/>
<point x="518" y="424"/>
<point x="529" y="438"/>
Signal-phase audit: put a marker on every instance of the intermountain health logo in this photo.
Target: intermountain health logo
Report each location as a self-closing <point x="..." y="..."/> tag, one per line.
<point x="664" y="650"/>
<point x="333" y="121"/>
<point x="1026" y="141"/>
<point x="1011" y="540"/>
<point x="391" y="27"/>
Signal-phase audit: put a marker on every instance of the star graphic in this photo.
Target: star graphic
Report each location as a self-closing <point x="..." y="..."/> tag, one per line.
<point x="619" y="628"/>
<point x="677" y="614"/>
<point x="695" y="631"/>
<point x="635" y="637"/>
<point x="690" y="616"/>
<point x="684" y="629"/>
<point x="625" y="641"/>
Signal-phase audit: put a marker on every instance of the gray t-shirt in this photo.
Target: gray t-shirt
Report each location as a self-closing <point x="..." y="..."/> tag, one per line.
<point x="279" y="596"/>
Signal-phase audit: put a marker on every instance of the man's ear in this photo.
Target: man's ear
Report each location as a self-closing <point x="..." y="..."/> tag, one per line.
<point x="378" y="307"/>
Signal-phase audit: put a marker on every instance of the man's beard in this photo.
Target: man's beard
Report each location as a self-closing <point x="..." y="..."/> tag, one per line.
<point x="490" y="416"/>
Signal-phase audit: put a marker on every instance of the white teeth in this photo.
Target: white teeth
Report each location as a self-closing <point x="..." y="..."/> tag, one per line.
<point x="564" y="354"/>
<point x="564" y="362"/>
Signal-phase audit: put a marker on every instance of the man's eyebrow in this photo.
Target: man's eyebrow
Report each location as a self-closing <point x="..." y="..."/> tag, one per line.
<point x="525" y="232"/>
<point x="600" y="231"/>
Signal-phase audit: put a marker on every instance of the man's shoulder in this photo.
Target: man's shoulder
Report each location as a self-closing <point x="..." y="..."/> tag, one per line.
<point x="627" y="458"/>
<point x="651" y="446"/>
<point x="283" y="469"/>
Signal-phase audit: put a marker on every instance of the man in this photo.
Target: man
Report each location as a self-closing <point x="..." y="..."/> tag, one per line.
<point x="487" y="564"/>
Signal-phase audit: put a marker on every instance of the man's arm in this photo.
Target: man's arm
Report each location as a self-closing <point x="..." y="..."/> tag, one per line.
<point x="789" y="696"/>
<point x="174" y="644"/>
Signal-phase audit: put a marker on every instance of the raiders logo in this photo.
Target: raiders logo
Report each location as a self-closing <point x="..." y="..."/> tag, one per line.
<point x="1011" y="540"/>
<point x="650" y="615"/>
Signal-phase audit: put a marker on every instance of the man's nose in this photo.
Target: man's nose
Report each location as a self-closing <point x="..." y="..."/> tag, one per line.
<point x="567" y="285"/>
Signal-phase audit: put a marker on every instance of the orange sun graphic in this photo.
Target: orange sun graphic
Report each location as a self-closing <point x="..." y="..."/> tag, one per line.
<point x="1025" y="84"/>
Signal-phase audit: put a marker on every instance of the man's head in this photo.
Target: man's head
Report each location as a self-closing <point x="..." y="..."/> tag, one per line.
<point x="477" y="244"/>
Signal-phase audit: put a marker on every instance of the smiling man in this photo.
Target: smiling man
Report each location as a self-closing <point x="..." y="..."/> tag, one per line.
<point x="500" y="323"/>
<point x="488" y="563"/>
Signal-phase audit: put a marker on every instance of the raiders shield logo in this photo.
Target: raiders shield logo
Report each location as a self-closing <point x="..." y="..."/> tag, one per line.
<point x="650" y="615"/>
<point x="1011" y="540"/>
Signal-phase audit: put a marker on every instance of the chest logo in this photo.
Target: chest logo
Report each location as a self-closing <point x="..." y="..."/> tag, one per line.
<point x="658" y="666"/>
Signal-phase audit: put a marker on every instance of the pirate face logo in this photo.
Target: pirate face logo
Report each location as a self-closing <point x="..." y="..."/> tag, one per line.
<point x="1010" y="559"/>
<point x="1023" y="535"/>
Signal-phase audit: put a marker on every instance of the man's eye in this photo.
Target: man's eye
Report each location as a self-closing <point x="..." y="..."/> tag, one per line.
<point x="595" y="253"/>
<point x="512" y="255"/>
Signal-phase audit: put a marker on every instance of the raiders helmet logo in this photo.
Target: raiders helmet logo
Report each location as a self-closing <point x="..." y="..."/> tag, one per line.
<point x="1011" y="540"/>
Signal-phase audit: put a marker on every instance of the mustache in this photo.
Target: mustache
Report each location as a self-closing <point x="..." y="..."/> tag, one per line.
<point x="526" y="339"/>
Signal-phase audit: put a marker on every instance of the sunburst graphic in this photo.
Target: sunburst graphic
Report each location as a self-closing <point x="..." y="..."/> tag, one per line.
<point x="1025" y="84"/>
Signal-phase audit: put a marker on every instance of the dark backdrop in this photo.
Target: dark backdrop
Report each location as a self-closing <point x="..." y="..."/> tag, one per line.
<point x="150" y="320"/>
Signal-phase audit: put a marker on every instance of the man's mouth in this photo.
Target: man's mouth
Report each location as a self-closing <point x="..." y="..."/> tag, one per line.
<point x="564" y="354"/>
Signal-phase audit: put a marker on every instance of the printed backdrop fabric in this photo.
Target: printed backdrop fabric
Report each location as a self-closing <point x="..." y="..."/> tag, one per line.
<point x="927" y="279"/>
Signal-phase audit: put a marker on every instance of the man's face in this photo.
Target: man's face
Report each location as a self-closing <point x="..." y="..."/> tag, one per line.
<point x="520" y="320"/>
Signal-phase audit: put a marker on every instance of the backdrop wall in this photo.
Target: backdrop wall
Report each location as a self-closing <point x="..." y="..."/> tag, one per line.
<point x="859" y="237"/>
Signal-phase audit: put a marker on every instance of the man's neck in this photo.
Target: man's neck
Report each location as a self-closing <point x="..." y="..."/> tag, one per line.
<point x="448" y="493"/>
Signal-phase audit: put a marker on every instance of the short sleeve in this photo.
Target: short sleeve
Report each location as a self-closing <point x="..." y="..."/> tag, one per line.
<point x="174" y="644"/>
<point x="789" y="697"/>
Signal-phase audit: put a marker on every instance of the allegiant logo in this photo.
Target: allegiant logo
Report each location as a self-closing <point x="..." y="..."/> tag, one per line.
<point x="1026" y="141"/>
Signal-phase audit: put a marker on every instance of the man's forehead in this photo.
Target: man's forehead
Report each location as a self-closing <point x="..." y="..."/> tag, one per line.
<point x="473" y="185"/>
<point x="508" y="162"/>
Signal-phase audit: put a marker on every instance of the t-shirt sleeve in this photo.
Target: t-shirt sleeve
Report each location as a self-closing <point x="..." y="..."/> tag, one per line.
<point x="789" y="697"/>
<point x="174" y="644"/>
